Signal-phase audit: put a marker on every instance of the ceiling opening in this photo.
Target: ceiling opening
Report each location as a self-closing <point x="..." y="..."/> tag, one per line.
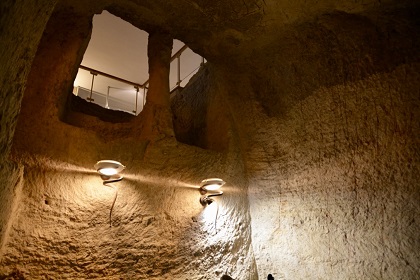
<point x="114" y="69"/>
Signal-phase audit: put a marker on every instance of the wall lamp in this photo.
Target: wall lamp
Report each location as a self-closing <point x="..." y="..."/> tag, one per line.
<point x="212" y="185"/>
<point x="109" y="171"/>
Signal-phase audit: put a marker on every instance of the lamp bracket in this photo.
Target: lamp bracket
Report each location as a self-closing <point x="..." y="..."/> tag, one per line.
<point x="207" y="198"/>
<point x="111" y="179"/>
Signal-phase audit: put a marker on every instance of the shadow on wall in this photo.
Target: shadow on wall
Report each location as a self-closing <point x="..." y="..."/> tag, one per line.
<point x="321" y="44"/>
<point x="227" y="277"/>
<point x="199" y="113"/>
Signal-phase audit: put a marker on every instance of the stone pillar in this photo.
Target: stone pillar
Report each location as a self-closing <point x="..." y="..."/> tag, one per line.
<point x="157" y="111"/>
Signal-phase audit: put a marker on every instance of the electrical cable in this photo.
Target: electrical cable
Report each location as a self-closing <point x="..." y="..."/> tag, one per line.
<point x="105" y="183"/>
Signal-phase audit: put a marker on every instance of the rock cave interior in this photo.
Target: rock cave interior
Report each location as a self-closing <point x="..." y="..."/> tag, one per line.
<point x="308" y="110"/>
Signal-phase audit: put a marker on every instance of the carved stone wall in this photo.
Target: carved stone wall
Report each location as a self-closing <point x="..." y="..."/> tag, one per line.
<point x="159" y="229"/>
<point x="309" y="112"/>
<point x="21" y="27"/>
<point x="333" y="148"/>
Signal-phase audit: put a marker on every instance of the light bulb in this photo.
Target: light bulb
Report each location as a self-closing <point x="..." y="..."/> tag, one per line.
<point x="212" y="187"/>
<point x="109" y="167"/>
<point x="108" y="171"/>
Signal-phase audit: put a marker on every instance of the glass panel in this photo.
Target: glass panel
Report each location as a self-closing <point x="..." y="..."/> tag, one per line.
<point x="115" y="95"/>
<point x="190" y="63"/>
<point x="107" y="92"/>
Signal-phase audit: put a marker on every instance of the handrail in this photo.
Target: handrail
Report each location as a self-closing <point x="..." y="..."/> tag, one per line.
<point x="179" y="52"/>
<point x="106" y="96"/>
<point x="94" y="71"/>
<point x="137" y="86"/>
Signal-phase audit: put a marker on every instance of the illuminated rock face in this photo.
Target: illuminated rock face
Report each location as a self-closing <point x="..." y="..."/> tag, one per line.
<point x="345" y="199"/>
<point x="310" y="114"/>
<point x="61" y="226"/>
<point x="333" y="163"/>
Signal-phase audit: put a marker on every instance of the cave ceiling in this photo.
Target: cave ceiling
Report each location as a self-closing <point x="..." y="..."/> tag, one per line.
<point x="219" y="28"/>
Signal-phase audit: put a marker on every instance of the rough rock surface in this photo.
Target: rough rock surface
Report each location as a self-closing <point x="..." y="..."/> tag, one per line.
<point x="341" y="183"/>
<point x="334" y="148"/>
<point x="21" y="27"/>
<point x="309" y="110"/>
<point x="159" y="228"/>
<point x="200" y="114"/>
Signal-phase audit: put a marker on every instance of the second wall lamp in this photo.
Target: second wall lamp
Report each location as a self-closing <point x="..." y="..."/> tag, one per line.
<point x="210" y="185"/>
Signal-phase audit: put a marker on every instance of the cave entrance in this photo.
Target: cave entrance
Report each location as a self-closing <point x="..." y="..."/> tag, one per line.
<point x="114" y="66"/>
<point x="114" y="70"/>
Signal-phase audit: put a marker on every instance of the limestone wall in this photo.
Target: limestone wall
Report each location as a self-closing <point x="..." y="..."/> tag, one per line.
<point x="310" y="114"/>
<point x="333" y="149"/>
<point x="22" y="24"/>
<point x="159" y="228"/>
<point x="334" y="188"/>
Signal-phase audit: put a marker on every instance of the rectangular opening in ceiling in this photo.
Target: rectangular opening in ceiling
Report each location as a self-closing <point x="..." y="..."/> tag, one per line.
<point x="114" y="70"/>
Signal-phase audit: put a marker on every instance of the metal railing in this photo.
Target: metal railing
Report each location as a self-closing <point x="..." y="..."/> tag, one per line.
<point x="95" y="72"/>
<point x="137" y="86"/>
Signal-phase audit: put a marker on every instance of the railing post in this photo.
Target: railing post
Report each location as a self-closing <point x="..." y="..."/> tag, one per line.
<point x="144" y="94"/>
<point x="106" y="100"/>
<point x="90" y="99"/>
<point x="179" y="70"/>
<point x="137" y="97"/>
